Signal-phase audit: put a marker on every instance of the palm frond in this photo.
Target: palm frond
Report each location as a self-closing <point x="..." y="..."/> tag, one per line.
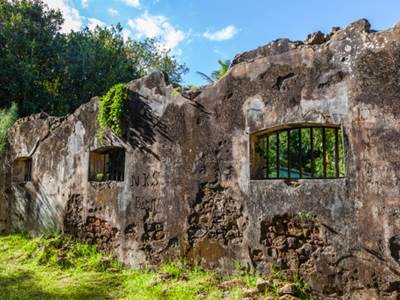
<point x="215" y="75"/>
<point x="223" y="67"/>
<point x="205" y="77"/>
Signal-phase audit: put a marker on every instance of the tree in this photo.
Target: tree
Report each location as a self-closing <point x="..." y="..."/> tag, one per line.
<point x="42" y="69"/>
<point x="29" y="49"/>
<point x="216" y="75"/>
<point x="92" y="61"/>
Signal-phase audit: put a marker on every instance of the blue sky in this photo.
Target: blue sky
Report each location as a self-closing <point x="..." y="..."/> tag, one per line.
<point x="199" y="32"/>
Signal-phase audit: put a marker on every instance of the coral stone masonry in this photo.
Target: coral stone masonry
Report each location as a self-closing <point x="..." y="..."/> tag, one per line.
<point x="191" y="176"/>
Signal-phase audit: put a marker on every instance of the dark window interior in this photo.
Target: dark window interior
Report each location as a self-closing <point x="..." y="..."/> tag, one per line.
<point x="301" y="152"/>
<point x="107" y="164"/>
<point x="22" y="170"/>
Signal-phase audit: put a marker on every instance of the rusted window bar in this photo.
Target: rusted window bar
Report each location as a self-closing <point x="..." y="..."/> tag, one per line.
<point x="312" y="151"/>
<point x="100" y="164"/>
<point x="337" y="152"/>
<point x="299" y="158"/>
<point x="277" y="155"/>
<point x="267" y="155"/>
<point x="94" y="166"/>
<point x="324" y="150"/>
<point x="90" y="168"/>
<point x="113" y="174"/>
<point x="288" y="154"/>
<point x="108" y="160"/>
<point x="263" y="147"/>
<point x="28" y="170"/>
<point x="109" y="166"/>
<point x="104" y="166"/>
<point x="112" y="160"/>
<point x="98" y="167"/>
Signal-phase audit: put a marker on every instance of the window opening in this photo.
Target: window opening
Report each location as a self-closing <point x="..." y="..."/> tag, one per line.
<point x="22" y="170"/>
<point x="302" y="152"/>
<point x="107" y="164"/>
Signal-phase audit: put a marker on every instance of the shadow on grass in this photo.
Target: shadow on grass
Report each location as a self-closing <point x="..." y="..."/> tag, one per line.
<point x="23" y="285"/>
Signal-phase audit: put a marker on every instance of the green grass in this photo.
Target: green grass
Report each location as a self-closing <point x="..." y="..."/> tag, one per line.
<point x="183" y="283"/>
<point x="56" y="267"/>
<point x="39" y="269"/>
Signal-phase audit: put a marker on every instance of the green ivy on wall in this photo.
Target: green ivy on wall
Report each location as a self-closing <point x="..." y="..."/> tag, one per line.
<point x="111" y="109"/>
<point x="7" y="119"/>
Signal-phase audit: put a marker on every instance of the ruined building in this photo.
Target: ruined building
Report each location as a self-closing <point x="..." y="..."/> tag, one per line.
<point x="291" y="159"/>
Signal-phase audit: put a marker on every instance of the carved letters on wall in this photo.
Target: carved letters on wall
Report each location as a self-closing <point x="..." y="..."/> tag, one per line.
<point x="145" y="179"/>
<point x="145" y="190"/>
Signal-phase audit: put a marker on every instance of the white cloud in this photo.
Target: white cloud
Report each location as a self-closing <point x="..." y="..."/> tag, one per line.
<point x="112" y="11"/>
<point x="173" y="37"/>
<point x="133" y="3"/>
<point x="221" y="35"/>
<point x="85" y="3"/>
<point x="126" y="34"/>
<point x="73" y="20"/>
<point x="149" y="26"/>
<point x="93" y="23"/>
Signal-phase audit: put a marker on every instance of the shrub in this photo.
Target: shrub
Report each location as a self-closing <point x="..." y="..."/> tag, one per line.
<point x="112" y="107"/>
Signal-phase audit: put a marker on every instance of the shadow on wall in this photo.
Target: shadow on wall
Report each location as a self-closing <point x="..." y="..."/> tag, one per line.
<point x="37" y="214"/>
<point x="143" y="124"/>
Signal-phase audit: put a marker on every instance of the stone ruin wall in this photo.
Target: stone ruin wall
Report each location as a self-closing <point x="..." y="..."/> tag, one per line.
<point x="188" y="188"/>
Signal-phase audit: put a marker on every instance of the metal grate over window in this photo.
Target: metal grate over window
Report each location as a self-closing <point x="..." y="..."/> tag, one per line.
<point x="22" y="170"/>
<point x="107" y="164"/>
<point x="28" y="169"/>
<point x="302" y="152"/>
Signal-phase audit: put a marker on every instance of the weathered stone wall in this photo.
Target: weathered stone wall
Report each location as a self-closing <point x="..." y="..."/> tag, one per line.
<point x="3" y="204"/>
<point x="188" y="189"/>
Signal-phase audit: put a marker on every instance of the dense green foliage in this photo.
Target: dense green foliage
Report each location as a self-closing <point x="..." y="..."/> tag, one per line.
<point x="55" y="267"/>
<point x="111" y="108"/>
<point x="29" y="53"/>
<point x="42" y="69"/>
<point x="7" y="119"/>
<point x="215" y="75"/>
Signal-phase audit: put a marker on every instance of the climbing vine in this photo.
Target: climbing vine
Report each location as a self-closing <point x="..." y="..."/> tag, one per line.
<point x="7" y="119"/>
<point x="111" y="109"/>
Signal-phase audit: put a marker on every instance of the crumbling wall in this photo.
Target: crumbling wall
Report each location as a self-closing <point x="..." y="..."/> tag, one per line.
<point x="189" y="190"/>
<point x="3" y="203"/>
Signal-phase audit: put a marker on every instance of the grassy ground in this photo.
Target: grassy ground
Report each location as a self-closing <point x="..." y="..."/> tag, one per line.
<point x="58" y="268"/>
